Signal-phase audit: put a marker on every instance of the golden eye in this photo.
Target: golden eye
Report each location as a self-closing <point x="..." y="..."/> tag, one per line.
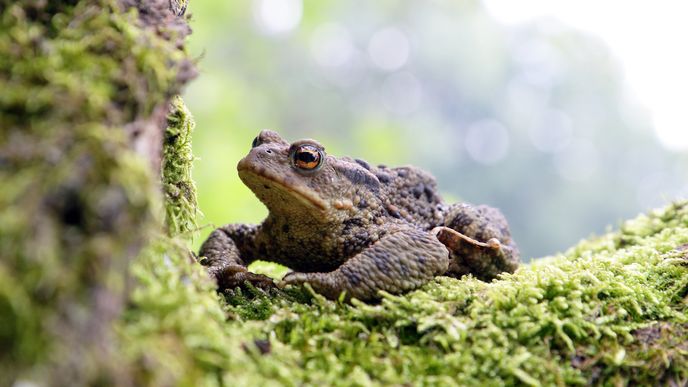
<point x="307" y="157"/>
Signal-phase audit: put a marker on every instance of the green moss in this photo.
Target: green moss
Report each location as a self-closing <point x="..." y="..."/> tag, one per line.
<point x="574" y="318"/>
<point x="80" y="82"/>
<point x="657" y="356"/>
<point x="178" y="185"/>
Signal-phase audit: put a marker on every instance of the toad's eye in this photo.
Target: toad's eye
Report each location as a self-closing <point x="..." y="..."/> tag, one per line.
<point x="255" y="142"/>
<point x="307" y="158"/>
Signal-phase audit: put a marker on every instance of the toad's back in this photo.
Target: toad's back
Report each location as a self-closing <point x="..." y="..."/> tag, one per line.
<point x="411" y="194"/>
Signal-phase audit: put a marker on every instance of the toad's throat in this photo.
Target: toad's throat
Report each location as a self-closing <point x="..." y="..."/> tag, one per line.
<point x="255" y="178"/>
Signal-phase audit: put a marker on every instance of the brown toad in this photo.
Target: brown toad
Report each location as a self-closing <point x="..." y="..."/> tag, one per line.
<point x="344" y="225"/>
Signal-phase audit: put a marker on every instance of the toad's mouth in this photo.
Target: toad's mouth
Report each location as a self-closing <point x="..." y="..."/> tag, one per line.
<point x="261" y="179"/>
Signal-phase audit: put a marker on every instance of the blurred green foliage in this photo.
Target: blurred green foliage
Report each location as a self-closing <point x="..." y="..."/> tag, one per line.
<point x="533" y="119"/>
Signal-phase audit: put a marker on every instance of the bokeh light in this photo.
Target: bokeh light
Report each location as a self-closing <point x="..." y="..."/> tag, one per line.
<point x="566" y="115"/>
<point x="487" y="141"/>
<point x="389" y="49"/>
<point x="331" y="45"/>
<point x="275" y="17"/>
<point x="649" y="38"/>
<point x="401" y="93"/>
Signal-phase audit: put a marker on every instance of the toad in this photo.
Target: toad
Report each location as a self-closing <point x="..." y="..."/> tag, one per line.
<point x="343" y="225"/>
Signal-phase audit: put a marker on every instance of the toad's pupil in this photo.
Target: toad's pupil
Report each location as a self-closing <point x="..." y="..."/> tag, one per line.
<point x="254" y="143"/>
<point x="307" y="156"/>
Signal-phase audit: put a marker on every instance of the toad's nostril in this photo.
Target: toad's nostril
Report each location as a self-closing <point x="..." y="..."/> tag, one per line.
<point x="268" y="151"/>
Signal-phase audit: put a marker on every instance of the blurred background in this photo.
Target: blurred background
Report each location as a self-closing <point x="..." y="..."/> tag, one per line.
<point x="568" y="116"/>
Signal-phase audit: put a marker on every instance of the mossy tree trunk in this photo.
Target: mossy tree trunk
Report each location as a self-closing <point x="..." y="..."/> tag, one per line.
<point x="85" y="88"/>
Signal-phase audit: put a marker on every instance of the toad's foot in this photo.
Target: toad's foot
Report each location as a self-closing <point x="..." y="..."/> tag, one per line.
<point x="479" y="241"/>
<point x="233" y="276"/>
<point x="454" y="240"/>
<point x="323" y="283"/>
<point x="225" y="254"/>
<point x="399" y="262"/>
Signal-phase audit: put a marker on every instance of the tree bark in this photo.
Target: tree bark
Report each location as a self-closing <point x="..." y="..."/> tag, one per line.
<point x="85" y="88"/>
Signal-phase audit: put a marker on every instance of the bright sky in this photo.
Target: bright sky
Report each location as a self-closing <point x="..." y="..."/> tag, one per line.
<point x="650" y="38"/>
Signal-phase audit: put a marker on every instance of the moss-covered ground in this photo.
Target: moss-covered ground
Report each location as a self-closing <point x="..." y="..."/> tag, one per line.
<point x="611" y="310"/>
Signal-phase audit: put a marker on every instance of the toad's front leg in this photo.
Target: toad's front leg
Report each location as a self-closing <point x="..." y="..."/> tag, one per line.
<point x="479" y="240"/>
<point x="401" y="261"/>
<point x="226" y="253"/>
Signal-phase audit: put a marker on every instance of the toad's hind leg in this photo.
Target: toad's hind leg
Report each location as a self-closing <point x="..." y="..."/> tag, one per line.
<point x="479" y="240"/>
<point x="399" y="262"/>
